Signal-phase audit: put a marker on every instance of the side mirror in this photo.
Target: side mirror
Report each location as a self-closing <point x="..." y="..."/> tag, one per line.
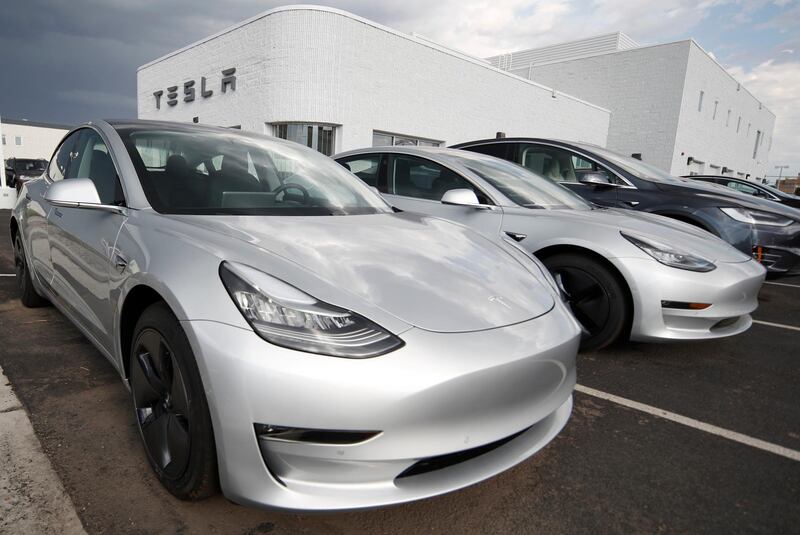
<point x="596" y="179"/>
<point x="461" y="197"/>
<point x="77" y="193"/>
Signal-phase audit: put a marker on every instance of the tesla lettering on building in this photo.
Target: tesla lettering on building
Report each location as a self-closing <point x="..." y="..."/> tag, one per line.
<point x="228" y="81"/>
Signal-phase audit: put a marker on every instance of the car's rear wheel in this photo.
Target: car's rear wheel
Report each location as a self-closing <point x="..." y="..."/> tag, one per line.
<point x="27" y="293"/>
<point x="595" y="296"/>
<point x="170" y="406"/>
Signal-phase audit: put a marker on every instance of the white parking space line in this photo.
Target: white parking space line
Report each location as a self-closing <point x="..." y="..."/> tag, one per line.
<point x="779" y="325"/>
<point x="783" y="284"/>
<point x="695" y="424"/>
<point x="7" y="275"/>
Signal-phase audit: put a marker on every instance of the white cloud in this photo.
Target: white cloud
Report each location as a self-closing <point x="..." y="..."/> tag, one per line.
<point x="485" y="27"/>
<point x="777" y="85"/>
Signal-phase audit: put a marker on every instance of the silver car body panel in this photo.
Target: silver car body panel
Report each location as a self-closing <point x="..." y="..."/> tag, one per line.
<point x="732" y="288"/>
<point x="474" y="369"/>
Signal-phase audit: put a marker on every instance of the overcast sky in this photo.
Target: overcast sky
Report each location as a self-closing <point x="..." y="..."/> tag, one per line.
<point x="72" y="61"/>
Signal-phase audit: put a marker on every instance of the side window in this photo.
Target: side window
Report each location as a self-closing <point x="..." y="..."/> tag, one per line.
<point x="91" y="160"/>
<point x="423" y="179"/>
<point x="57" y="169"/>
<point x="561" y="165"/>
<point x="744" y="188"/>
<point x="367" y="167"/>
<point x="549" y="162"/>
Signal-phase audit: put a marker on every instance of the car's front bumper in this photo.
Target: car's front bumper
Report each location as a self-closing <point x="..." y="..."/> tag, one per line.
<point x="508" y="389"/>
<point x="731" y="290"/>
<point x="778" y="248"/>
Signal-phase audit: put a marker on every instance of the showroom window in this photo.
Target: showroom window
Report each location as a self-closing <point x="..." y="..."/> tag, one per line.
<point x="385" y="139"/>
<point x="18" y="140"/>
<point x="319" y="137"/>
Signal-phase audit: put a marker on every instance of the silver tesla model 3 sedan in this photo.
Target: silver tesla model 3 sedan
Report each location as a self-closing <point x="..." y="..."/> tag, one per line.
<point x="279" y="325"/>
<point x="625" y="274"/>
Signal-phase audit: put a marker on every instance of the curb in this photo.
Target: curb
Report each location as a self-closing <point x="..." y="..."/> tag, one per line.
<point x="32" y="499"/>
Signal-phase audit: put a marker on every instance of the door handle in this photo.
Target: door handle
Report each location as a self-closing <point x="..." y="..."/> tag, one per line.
<point x="57" y="212"/>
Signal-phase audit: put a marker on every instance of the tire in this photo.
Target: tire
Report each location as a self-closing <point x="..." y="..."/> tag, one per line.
<point x="170" y="406"/>
<point x="27" y="293"/>
<point x="596" y="297"/>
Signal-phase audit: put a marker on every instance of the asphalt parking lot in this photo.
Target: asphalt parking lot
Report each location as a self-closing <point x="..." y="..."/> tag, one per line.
<point x="613" y="469"/>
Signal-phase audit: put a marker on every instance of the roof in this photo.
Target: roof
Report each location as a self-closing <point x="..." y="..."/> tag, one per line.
<point x="413" y="38"/>
<point x="565" y="51"/>
<point x="25" y="122"/>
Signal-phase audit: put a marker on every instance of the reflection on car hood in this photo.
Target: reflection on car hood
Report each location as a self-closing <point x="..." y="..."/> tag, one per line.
<point x="669" y="231"/>
<point x="729" y="197"/>
<point x="428" y="272"/>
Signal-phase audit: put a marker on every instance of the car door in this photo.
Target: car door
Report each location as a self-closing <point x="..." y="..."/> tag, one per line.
<point x="83" y="241"/>
<point x="38" y="209"/>
<point x="566" y="167"/>
<point x="416" y="184"/>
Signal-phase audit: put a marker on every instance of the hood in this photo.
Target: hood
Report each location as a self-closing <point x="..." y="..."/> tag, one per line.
<point x="727" y="197"/>
<point x="684" y="236"/>
<point x="429" y="273"/>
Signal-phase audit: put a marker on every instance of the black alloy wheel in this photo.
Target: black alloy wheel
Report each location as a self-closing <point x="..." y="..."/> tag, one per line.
<point x="170" y="406"/>
<point x="27" y="293"/>
<point x="595" y="297"/>
<point x="162" y="405"/>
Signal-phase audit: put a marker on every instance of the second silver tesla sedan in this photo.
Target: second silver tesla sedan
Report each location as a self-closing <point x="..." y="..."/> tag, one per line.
<point x="281" y="327"/>
<point x="624" y="273"/>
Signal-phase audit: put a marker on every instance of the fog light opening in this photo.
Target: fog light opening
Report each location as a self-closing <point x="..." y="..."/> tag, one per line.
<point x="680" y="305"/>
<point x="313" y="436"/>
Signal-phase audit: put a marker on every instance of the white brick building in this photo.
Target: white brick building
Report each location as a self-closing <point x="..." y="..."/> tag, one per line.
<point x="336" y="82"/>
<point x="29" y="139"/>
<point x="25" y="139"/>
<point x="672" y="103"/>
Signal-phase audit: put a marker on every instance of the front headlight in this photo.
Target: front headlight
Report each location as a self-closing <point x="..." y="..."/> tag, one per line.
<point x="283" y="315"/>
<point x="755" y="217"/>
<point x="669" y="256"/>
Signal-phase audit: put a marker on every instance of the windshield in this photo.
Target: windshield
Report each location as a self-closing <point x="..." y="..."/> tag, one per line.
<point x="30" y="165"/>
<point x="520" y="185"/>
<point x="636" y="167"/>
<point x="189" y="170"/>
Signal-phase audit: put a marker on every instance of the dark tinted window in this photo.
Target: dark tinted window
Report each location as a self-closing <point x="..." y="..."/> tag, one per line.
<point x="411" y="176"/>
<point x="29" y="166"/>
<point x="90" y="159"/>
<point x="499" y="150"/>
<point x="60" y="162"/>
<point x="367" y="167"/>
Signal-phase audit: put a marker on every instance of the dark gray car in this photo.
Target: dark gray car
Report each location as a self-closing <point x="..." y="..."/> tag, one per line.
<point x="767" y="230"/>
<point x="749" y="187"/>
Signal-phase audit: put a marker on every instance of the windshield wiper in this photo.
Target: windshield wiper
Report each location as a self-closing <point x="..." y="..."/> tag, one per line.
<point x="533" y="205"/>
